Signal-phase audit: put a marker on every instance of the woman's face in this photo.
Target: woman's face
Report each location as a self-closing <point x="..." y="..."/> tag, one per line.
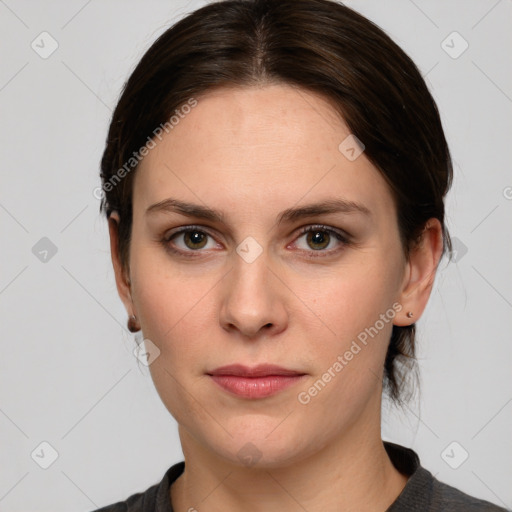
<point x="250" y="288"/>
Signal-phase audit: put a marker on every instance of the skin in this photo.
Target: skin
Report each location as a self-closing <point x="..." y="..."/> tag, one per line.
<point x="251" y="153"/>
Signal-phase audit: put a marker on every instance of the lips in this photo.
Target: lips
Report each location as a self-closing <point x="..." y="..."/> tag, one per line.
<point x="254" y="382"/>
<point x="262" y="370"/>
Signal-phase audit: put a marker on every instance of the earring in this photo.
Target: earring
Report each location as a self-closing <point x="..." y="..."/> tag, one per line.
<point x="410" y="314"/>
<point x="132" y="324"/>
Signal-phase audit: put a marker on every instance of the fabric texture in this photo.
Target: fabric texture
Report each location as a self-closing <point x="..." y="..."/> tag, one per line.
<point x="422" y="493"/>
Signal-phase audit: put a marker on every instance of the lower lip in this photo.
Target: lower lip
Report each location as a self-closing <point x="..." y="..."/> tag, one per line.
<point x="255" y="387"/>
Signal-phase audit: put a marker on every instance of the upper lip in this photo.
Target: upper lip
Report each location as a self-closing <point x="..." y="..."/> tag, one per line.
<point x="262" y="370"/>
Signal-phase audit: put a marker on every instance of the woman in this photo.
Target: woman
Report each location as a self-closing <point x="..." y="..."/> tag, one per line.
<point x="274" y="180"/>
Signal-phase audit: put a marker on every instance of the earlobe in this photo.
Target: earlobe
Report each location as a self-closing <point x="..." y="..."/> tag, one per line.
<point x="419" y="279"/>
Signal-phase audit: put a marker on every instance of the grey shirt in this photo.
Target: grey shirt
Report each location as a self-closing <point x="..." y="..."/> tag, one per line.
<point x="422" y="493"/>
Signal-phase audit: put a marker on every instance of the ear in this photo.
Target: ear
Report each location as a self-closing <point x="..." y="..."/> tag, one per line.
<point x="420" y="273"/>
<point x="121" y="274"/>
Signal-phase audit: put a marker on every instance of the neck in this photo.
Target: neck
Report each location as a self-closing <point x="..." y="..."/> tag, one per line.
<point x="352" y="472"/>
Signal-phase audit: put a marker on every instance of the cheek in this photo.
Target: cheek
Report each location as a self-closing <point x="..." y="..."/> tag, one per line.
<point x="358" y="304"/>
<point x="176" y="315"/>
<point x="353" y="298"/>
<point x="172" y="303"/>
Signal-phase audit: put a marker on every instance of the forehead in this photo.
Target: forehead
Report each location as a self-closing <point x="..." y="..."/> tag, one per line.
<point x="258" y="146"/>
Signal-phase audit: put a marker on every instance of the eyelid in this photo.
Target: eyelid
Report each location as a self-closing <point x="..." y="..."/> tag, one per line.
<point x="183" y="229"/>
<point x="324" y="227"/>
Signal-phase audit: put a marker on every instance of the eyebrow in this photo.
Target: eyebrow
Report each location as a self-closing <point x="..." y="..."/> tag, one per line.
<point x="328" y="206"/>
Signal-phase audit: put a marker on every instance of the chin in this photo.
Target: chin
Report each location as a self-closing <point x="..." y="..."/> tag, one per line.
<point x="263" y="446"/>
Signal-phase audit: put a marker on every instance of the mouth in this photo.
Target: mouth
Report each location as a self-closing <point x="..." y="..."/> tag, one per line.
<point x="257" y="382"/>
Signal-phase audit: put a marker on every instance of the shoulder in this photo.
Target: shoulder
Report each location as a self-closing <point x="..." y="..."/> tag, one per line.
<point x="139" y="502"/>
<point x="154" y="499"/>
<point x="424" y="493"/>
<point x="448" y="498"/>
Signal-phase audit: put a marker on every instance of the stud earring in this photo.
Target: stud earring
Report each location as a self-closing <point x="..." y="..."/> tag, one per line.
<point x="410" y="314"/>
<point x="132" y="324"/>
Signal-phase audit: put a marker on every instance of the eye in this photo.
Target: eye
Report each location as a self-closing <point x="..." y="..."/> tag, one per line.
<point x="189" y="239"/>
<point x="320" y="238"/>
<point x="317" y="240"/>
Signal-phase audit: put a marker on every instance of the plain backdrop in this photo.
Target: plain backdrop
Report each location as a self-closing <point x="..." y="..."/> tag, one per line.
<point x="68" y="376"/>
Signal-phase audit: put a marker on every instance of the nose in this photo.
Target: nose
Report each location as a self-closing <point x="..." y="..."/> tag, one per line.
<point x="253" y="299"/>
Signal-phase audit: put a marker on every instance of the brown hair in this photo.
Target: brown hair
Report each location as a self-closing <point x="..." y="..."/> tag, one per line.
<point x="318" y="45"/>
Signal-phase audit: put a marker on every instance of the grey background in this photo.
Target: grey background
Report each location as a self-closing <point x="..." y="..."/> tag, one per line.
<point x="68" y="374"/>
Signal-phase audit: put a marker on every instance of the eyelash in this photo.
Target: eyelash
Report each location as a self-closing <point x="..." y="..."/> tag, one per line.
<point x="338" y="235"/>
